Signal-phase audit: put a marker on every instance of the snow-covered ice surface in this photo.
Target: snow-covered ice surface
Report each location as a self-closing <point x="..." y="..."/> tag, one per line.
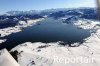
<point x="6" y="59"/>
<point x="53" y="54"/>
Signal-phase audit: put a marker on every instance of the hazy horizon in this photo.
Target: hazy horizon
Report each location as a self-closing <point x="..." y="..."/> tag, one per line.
<point x="27" y="5"/>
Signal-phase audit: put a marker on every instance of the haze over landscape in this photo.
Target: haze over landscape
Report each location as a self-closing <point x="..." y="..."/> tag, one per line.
<point x="26" y="5"/>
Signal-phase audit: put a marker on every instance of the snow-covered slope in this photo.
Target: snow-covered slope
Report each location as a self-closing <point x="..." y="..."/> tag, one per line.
<point x="17" y="28"/>
<point x="54" y="54"/>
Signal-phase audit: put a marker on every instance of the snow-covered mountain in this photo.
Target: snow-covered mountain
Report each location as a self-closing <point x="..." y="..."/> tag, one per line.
<point x="11" y="18"/>
<point x="89" y="13"/>
<point x="31" y="12"/>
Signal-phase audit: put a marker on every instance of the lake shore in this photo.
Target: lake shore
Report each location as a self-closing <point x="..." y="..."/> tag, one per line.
<point x="22" y="24"/>
<point x="46" y="53"/>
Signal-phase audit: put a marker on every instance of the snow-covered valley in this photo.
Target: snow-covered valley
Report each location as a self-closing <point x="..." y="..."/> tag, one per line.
<point x="57" y="53"/>
<point x="53" y="54"/>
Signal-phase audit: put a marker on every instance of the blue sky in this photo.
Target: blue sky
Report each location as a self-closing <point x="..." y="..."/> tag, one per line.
<point x="8" y="5"/>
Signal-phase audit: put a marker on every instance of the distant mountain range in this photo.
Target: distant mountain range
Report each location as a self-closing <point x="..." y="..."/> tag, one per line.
<point x="66" y="11"/>
<point x="13" y="17"/>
